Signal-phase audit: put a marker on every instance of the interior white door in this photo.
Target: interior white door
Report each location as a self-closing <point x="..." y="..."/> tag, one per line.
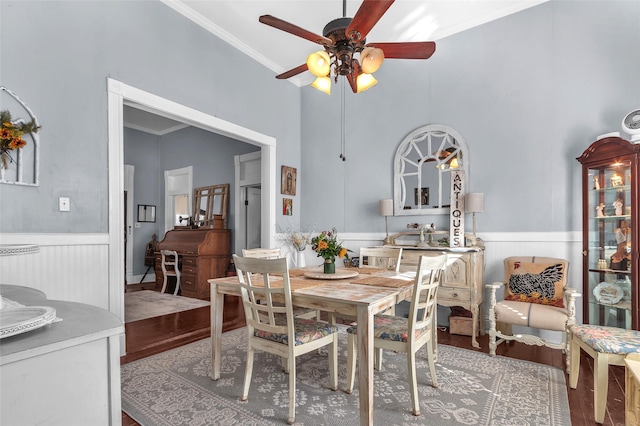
<point x="178" y="182"/>
<point x="253" y="224"/>
<point x="248" y="176"/>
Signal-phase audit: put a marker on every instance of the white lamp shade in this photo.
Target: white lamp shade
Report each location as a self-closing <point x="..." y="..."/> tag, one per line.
<point x="370" y="59"/>
<point x="474" y="202"/>
<point x="323" y="84"/>
<point x="319" y="63"/>
<point x="364" y="82"/>
<point x="386" y="207"/>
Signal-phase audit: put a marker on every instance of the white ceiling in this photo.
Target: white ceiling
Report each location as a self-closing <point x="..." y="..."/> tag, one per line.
<point x="236" y="21"/>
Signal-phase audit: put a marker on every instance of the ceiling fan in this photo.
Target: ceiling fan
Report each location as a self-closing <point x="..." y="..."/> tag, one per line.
<point x="344" y="39"/>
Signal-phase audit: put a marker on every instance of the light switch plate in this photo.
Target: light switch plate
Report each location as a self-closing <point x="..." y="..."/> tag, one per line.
<point x="64" y="204"/>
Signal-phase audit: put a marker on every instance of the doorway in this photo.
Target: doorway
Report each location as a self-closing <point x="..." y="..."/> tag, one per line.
<point x="248" y="201"/>
<point x="178" y="190"/>
<point x="120" y="94"/>
<point x="252" y="223"/>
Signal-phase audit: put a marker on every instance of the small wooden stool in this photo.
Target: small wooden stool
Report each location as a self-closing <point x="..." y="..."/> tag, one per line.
<point x="607" y="346"/>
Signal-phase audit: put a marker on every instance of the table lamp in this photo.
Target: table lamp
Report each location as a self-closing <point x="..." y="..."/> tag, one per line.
<point x="386" y="209"/>
<point x="474" y="203"/>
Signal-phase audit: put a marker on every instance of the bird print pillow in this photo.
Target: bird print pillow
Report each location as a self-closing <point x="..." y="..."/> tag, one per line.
<point x="534" y="281"/>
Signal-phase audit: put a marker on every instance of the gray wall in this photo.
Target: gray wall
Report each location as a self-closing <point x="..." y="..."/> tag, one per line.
<point x="528" y="92"/>
<point x="59" y="66"/>
<point x="210" y="154"/>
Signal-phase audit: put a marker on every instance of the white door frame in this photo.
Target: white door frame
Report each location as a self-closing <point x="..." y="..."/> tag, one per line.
<point x="118" y="94"/>
<point x="129" y="172"/>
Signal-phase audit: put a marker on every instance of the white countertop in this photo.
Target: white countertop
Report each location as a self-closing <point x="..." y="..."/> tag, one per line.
<point x="80" y="323"/>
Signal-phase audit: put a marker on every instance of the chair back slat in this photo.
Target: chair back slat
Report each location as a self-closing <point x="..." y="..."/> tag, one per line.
<point x="266" y="292"/>
<point x="429" y="274"/>
<point x="262" y="253"/>
<point x="381" y="257"/>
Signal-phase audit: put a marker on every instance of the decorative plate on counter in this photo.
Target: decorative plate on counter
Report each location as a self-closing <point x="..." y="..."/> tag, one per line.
<point x="20" y="320"/>
<point x="340" y="274"/>
<point x="608" y="293"/>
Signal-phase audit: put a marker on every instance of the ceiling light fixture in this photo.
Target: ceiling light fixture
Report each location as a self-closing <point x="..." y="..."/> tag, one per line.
<point x="346" y="52"/>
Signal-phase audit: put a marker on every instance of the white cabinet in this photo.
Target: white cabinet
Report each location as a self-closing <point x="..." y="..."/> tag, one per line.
<point x="65" y="373"/>
<point x="464" y="278"/>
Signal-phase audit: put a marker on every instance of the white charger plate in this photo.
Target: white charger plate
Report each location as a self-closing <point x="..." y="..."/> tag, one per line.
<point x="608" y="293"/>
<point x="21" y="320"/>
<point x="341" y="273"/>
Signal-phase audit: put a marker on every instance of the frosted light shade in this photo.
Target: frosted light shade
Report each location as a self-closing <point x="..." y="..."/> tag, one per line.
<point x="319" y="63"/>
<point x="386" y="207"/>
<point x="370" y="59"/>
<point x="474" y="202"/>
<point x="364" y="82"/>
<point x="323" y="84"/>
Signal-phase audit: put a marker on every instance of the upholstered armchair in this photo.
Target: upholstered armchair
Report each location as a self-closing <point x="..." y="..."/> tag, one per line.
<point x="536" y="296"/>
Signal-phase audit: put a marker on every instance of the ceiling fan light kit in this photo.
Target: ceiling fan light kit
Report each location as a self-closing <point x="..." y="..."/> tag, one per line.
<point x="319" y="63"/>
<point x="370" y="59"/>
<point x="343" y="40"/>
<point x="323" y="84"/>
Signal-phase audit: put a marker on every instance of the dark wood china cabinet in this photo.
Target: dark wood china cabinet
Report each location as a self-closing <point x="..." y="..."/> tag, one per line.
<point x="610" y="233"/>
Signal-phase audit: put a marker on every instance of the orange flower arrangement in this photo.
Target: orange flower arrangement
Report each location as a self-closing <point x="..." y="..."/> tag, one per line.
<point x="11" y="133"/>
<point x="327" y="246"/>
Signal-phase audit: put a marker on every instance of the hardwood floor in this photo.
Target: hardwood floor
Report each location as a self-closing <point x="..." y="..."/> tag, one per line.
<point x="155" y="335"/>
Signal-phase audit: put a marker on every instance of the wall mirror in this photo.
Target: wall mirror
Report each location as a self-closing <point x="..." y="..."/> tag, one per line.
<point x="210" y="204"/>
<point x="422" y="170"/>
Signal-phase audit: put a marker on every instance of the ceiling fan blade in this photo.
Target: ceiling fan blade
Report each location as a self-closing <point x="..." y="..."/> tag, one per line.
<point x="406" y="50"/>
<point x="294" y="29"/>
<point x="353" y="82"/>
<point x="297" y="70"/>
<point x="366" y="17"/>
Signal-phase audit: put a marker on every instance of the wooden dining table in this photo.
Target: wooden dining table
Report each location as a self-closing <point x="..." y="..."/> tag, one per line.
<point x="370" y="292"/>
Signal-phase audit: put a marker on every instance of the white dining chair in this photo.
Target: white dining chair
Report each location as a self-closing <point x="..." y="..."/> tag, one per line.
<point x="274" y="253"/>
<point x="407" y="334"/>
<point x="272" y="327"/>
<point x="170" y="268"/>
<point x="380" y="257"/>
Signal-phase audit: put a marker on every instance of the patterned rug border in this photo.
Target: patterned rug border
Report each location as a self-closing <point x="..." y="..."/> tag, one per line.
<point x="174" y="388"/>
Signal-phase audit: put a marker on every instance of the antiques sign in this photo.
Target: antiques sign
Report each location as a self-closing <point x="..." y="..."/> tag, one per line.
<point x="456" y="218"/>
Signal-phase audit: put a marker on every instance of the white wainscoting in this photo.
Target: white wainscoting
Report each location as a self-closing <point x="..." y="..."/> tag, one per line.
<point x="72" y="267"/>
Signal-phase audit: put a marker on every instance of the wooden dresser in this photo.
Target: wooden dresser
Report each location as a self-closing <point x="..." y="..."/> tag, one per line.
<point x="204" y="253"/>
<point x="464" y="279"/>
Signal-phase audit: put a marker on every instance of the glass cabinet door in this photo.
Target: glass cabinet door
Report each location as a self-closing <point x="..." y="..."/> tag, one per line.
<point x="609" y="236"/>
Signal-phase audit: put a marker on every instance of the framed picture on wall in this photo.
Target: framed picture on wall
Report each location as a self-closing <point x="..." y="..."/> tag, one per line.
<point x="146" y="213"/>
<point x="288" y="180"/>
<point x="287" y="206"/>
<point x="422" y="197"/>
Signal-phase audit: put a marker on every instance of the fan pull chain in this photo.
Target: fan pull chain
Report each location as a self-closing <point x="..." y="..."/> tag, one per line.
<point x="343" y="143"/>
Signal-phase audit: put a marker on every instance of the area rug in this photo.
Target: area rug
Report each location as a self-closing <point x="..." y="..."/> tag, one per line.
<point x="148" y="304"/>
<point x="174" y="388"/>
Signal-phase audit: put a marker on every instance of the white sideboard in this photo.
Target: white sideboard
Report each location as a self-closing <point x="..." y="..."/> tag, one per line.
<point x="464" y="279"/>
<point x="64" y="373"/>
